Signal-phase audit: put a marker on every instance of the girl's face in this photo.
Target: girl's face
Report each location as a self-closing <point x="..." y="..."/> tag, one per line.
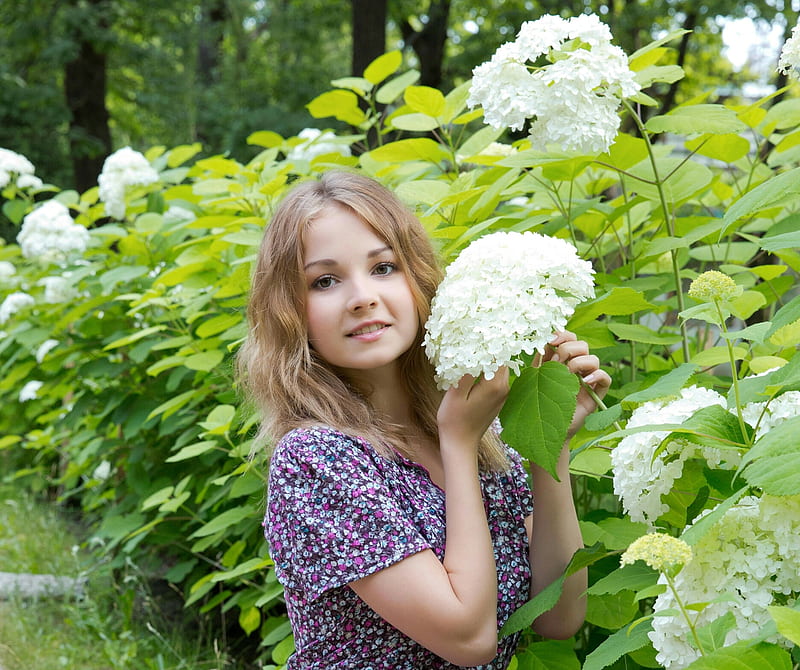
<point x="360" y="309"/>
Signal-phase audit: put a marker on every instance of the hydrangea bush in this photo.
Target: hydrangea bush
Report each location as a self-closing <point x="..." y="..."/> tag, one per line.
<point x="119" y="326"/>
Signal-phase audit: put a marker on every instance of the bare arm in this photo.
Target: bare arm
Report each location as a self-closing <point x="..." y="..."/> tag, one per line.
<point x="451" y="607"/>
<point x="553" y="528"/>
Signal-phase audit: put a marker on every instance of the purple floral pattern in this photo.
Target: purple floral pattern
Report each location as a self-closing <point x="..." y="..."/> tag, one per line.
<point x="338" y="511"/>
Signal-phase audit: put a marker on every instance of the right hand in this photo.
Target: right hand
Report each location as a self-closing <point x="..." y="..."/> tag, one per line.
<point x="468" y="409"/>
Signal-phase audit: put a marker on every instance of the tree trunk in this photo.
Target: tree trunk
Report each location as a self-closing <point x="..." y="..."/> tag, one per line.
<point x="369" y="33"/>
<point x="429" y="42"/>
<point x="85" y="92"/>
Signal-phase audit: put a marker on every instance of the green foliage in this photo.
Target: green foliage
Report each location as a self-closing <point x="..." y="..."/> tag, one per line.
<point x="138" y="418"/>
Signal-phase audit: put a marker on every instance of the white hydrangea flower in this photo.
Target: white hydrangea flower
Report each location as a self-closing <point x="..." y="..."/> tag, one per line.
<point x="7" y="271"/>
<point x="29" y="181"/>
<point x="505" y="294"/>
<point x="789" y="62"/>
<point x="102" y="471"/>
<point x="175" y="214"/>
<point x="317" y="143"/>
<point x="13" y="303"/>
<point x="57" y="290"/>
<point x="765" y="416"/>
<point x="752" y="554"/>
<point x="12" y="163"/>
<point x="45" y="348"/>
<point x="30" y="391"/>
<point x="573" y="100"/>
<point x="121" y="169"/>
<point x="49" y="234"/>
<point x="641" y="476"/>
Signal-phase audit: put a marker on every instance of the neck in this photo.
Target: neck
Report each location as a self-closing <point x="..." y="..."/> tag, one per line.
<point x="388" y="396"/>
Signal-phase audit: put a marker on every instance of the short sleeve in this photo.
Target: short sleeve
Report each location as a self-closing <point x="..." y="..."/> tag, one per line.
<point x="331" y="519"/>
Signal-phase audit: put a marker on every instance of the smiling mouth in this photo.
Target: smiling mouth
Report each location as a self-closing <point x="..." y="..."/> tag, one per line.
<point x="368" y="329"/>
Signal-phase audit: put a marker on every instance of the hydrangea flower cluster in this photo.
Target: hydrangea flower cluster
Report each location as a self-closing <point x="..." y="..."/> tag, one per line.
<point x="57" y="290"/>
<point x="713" y="286"/>
<point x="660" y="551"/>
<point x="14" y="165"/>
<point x="121" y="169"/>
<point x="765" y="416"/>
<point x="30" y="391"/>
<point x="789" y="62"/>
<point x="13" y="303"/>
<point x="7" y="271"/>
<point x="642" y="476"/>
<point x="752" y="555"/>
<point x="573" y="100"/>
<point x="316" y="143"/>
<point x="505" y="294"/>
<point x="49" y="234"/>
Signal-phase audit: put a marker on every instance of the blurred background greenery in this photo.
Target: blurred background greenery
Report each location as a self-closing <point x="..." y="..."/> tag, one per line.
<point x="80" y="78"/>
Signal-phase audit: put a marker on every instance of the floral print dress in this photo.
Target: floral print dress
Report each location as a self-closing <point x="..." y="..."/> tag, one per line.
<point x="338" y="511"/>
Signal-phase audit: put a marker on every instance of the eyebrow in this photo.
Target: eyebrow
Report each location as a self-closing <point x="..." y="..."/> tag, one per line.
<point x="329" y="262"/>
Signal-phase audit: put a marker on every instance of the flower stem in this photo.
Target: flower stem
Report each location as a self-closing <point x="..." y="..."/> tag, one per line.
<point x="668" y="222"/>
<point x="598" y="400"/>
<point x="734" y="373"/>
<point x="686" y="616"/>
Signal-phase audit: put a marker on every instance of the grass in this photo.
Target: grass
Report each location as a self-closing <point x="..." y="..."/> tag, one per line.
<point x="118" y="624"/>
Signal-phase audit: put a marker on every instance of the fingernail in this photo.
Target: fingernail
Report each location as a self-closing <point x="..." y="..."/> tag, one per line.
<point x="555" y="358"/>
<point x="588" y="379"/>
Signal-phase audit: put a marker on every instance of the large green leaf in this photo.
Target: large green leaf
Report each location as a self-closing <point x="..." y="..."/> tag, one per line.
<point x="741" y="656"/>
<point x="383" y="66"/>
<point x="548" y="654"/>
<point x="669" y="384"/>
<point x="769" y="193"/>
<point x="414" y="149"/>
<point x="626" y="639"/>
<point x="538" y="411"/>
<point x="696" y="532"/>
<point x="788" y="622"/>
<point x="773" y="464"/>
<point x="620" y="300"/>
<point x="697" y="119"/>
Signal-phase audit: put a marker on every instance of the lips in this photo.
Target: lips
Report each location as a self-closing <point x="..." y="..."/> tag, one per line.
<point x="368" y="328"/>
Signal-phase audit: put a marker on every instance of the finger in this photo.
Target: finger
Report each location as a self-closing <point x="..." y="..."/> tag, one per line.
<point x="599" y="381"/>
<point x="570" y="349"/>
<point x="583" y="365"/>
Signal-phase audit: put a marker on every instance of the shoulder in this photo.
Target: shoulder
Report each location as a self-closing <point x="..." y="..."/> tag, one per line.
<point x="320" y="449"/>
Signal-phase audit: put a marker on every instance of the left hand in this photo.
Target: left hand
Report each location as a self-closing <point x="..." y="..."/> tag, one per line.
<point x="566" y="348"/>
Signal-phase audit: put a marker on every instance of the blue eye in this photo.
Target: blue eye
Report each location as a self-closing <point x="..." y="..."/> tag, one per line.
<point x="384" y="269"/>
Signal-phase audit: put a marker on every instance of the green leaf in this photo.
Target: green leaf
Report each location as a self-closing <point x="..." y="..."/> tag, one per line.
<point x="717" y="356"/>
<point x="549" y="596"/>
<point x="15" y="210"/>
<point x="204" y="361"/>
<point x="249" y="619"/>
<point x="775" y="243"/>
<point x="383" y="66"/>
<point x="633" y="577"/>
<point x="217" y="324"/>
<point x="192" y="451"/>
<point x="219" y="420"/>
<point x="713" y="119"/>
<point x="223" y="521"/>
<point x="728" y="148"/>
<point x="625" y="640"/>
<point x="785" y="316"/>
<point x="414" y="149"/>
<point x="353" y="83"/>
<point x="619" y="301"/>
<point x="611" y="611"/>
<point x="538" y="412"/>
<point x="183" y="153"/>
<point x="133" y="337"/>
<point x="753" y="389"/>
<point x="667" y="74"/>
<point x="741" y="656"/>
<point x="173" y="404"/>
<point x="415" y="122"/>
<point x="639" y="333"/>
<point x="697" y="531"/>
<point x="340" y="104"/>
<point x="425" y="100"/>
<point x="712" y="635"/>
<point x="715" y="426"/>
<point x="242" y="569"/>
<point x="769" y="193"/>
<point x="788" y="622"/>
<point x="121" y="273"/>
<point x="394" y="88"/>
<point x="668" y="385"/>
<point x="265" y="138"/>
<point x="619" y="532"/>
<point x="549" y="654"/>
<point x="773" y="463"/>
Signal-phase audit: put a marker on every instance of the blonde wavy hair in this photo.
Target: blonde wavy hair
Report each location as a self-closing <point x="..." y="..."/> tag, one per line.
<point x="287" y="381"/>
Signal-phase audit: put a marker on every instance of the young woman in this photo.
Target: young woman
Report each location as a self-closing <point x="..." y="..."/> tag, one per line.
<point x="401" y="528"/>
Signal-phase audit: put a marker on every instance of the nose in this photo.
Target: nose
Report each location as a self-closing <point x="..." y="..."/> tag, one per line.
<point x="362" y="296"/>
